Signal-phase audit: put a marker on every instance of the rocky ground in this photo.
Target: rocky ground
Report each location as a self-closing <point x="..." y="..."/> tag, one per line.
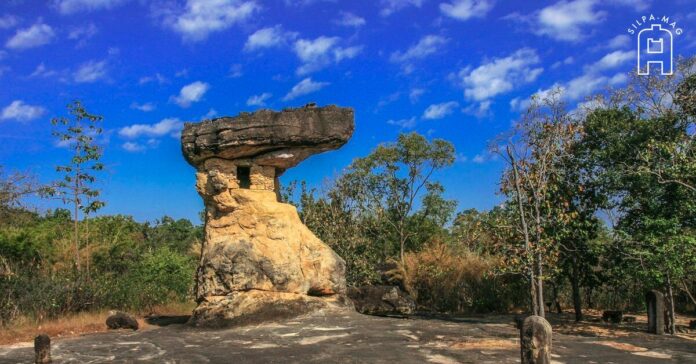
<point x="349" y="337"/>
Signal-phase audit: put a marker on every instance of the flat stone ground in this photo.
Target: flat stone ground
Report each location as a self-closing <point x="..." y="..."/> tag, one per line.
<point x="348" y="337"/>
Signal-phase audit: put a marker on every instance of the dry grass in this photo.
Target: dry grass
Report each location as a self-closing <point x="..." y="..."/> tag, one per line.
<point x="25" y="329"/>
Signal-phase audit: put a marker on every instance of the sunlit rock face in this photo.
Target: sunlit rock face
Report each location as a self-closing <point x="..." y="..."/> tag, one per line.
<point x="258" y="261"/>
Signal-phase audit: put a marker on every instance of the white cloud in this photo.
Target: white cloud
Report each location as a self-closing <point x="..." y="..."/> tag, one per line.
<point x="75" y="6"/>
<point x="638" y="5"/>
<point x="91" y="71"/>
<point x="588" y="83"/>
<point x="210" y="114"/>
<point x="350" y="20"/>
<point x="82" y="34"/>
<point x="415" y="94"/>
<point x="391" y="6"/>
<point x="235" y="71"/>
<point x="132" y="147"/>
<point x="620" y="41"/>
<point x="566" y="20"/>
<point x="200" y="18"/>
<point x="612" y="60"/>
<point x="304" y="87"/>
<point x="426" y="46"/>
<point x="157" y="77"/>
<point x="146" y="107"/>
<point x="8" y="21"/>
<point x="568" y="60"/>
<point x="35" y="36"/>
<point x="42" y="71"/>
<point x="258" y="100"/>
<point x="320" y="52"/>
<point x="171" y="126"/>
<point x="404" y="123"/>
<point x="191" y="93"/>
<point x="268" y="38"/>
<point x="500" y="75"/>
<point x="439" y="111"/>
<point x="466" y="9"/>
<point x="479" y="158"/>
<point x="18" y="110"/>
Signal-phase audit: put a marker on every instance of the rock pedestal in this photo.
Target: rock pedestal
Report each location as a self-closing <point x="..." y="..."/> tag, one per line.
<point x="42" y="349"/>
<point x="535" y="340"/>
<point x="258" y="261"/>
<point x="656" y="312"/>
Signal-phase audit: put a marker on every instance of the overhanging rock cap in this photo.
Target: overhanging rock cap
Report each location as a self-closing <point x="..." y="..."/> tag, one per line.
<point x="273" y="138"/>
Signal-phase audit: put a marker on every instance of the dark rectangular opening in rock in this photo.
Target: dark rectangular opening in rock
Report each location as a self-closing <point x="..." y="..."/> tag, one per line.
<point x="244" y="177"/>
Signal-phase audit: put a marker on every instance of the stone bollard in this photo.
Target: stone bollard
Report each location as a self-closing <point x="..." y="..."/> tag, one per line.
<point x="656" y="312"/>
<point x="535" y="341"/>
<point x="42" y="349"/>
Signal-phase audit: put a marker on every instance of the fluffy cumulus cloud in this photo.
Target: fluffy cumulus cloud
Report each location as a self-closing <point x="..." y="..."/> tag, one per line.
<point x="593" y="79"/>
<point x="191" y="93"/>
<point x="612" y="60"/>
<point x="169" y="126"/>
<point x="389" y="7"/>
<point x="268" y="38"/>
<point x="75" y="6"/>
<point x="91" y="71"/>
<point x="567" y="20"/>
<point x="426" y="46"/>
<point x="500" y="75"/>
<point x="18" y="110"/>
<point x="320" y="52"/>
<point x="466" y="9"/>
<point x="439" y="111"/>
<point x="199" y="18"/>
<point x="304" y="87"/>
<point x="35" y="36"/>
<point x="350" y="20"/>
<point x="258" y="100"/>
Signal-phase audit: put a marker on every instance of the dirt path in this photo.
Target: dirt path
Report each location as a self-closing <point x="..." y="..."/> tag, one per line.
<point x="355" y="338"/>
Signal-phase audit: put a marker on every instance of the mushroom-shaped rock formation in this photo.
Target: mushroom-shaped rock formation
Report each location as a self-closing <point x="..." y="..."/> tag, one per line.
<point x="258" y="261"/>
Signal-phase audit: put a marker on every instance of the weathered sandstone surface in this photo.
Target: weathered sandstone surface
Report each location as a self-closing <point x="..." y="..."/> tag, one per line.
<point x="258" y="261"/>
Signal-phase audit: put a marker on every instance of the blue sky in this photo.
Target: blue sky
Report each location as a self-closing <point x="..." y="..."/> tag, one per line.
<point x="455" y="69"/>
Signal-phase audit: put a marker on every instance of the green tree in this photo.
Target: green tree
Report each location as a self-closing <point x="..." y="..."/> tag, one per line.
<point x="79" y="132"/>
<point x="533" y="155"/>
<point x="389" y="184"/>
<point x="382" y="206"/>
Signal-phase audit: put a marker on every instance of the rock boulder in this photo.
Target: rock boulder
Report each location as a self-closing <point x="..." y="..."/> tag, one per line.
<point x="382" y="300"/>
<point x="258" y="261"/>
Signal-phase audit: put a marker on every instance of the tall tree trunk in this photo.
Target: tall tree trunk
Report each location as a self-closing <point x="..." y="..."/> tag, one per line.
<point x="575" y="282"/>
<point x="670" y="308"/>
<point x="525" y="231"/>
<point x="540" y="286"/>
<point x="76" y="218"/>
